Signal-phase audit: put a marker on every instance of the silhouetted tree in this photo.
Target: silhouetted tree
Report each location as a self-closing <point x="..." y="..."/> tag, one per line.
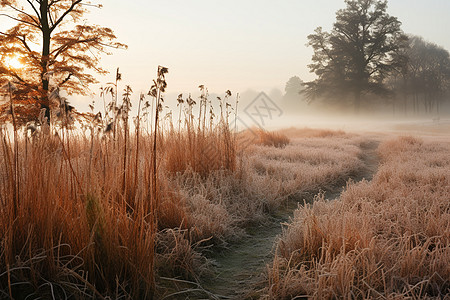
<point x="54" y="46"/>
<point x="358" y="54"/>
<point x="292" y="99"/>
<point x="293" y="88"/>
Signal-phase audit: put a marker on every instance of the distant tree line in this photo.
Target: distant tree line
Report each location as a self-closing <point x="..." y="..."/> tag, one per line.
<point x="366" y="60"/>
<point x="423" y="84"/>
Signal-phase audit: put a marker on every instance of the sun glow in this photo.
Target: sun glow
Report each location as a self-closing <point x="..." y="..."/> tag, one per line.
<point x="13" y="62"/>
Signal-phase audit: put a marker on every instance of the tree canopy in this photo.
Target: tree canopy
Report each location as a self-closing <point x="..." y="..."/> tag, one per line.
<point x="293" y="87"/>
<point x="359" y="53"/>
<point x="52" y="47"/>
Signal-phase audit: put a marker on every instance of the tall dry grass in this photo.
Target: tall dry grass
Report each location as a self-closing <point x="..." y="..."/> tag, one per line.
<point x="384" y="239"/>
<point x="109" y="212"/>
<point x="201" y="151"/>
<point x="92" y="213"/>
<point x="77" y="227"/>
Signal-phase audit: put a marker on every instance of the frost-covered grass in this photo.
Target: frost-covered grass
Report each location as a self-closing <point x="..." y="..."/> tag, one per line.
<point x="384" y="239"/>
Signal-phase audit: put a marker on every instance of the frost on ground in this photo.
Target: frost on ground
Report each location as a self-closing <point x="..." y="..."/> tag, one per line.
<point x="388" y="238"/>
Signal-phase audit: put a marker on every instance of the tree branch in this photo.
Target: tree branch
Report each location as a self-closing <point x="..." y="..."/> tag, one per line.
<point x="34" y="8"/>
<point x="22" y="12"/>
<point x="70" y="9"/>
<point x="50" y="16"/>
<point x="21" y="21"/>
<point x="25" y="44"/>
<point x="15" y="75"/>
<point x="65" y="80"/>
<point x="68" y="45"/>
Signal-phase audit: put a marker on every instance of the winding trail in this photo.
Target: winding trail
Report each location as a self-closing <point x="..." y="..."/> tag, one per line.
<point x="240" y="269"/>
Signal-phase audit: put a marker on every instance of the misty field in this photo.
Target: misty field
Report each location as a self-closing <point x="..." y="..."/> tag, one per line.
<point x="121" y="187"/>
<point x="80" y="218"/>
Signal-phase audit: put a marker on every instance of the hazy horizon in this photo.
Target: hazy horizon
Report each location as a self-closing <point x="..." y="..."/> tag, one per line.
<point x="235" y="45"/>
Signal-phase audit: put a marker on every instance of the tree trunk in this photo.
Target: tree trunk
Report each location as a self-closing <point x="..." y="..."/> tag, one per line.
<point x="46" y="35"/>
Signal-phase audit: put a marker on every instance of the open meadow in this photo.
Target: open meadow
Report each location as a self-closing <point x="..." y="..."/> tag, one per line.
<point x="81" y="219"/>
<point x="295" y="150"/>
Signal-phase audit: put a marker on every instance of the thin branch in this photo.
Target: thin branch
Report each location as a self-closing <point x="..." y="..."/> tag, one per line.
<point x="50" y="16"/>
<point x="25" y="44"/>
<point x="74" y="3"/>
<point x="69" y="45"/>
<point x="34" y="8"/>
<point x="92" y="5"/>
<point x="21" y="21"/>
<point x="22" y="12"/>
<point x="66" y="79"/>
<point x="15" y="75"/>
<point x="112" y="46"/>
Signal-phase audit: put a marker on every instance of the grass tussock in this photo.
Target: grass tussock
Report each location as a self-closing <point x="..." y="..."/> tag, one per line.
<point x="73" y="230"/>
<point x="200" y="151"/>
<point x="273" y="139"/>
<point x="384" y="239"/>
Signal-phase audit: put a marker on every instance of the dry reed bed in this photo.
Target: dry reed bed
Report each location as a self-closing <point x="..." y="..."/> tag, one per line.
<point x="385" y="239"/>
<point x="75" y="229"/>
<point x="84" y="221"/>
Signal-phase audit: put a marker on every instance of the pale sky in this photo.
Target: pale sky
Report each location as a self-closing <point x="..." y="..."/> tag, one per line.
<point x="237" y="44"/>
<point x="234" y="44"/>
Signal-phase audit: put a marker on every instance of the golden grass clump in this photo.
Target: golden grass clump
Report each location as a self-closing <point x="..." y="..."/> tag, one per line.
<point x="74" y="230"/>
<point x="200" y="151"/>
<point x="274" y="139"/>
<point x="384" y="239"/>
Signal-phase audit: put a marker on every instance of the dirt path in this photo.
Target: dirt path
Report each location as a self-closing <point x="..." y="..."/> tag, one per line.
<point x="240" y="269"/>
